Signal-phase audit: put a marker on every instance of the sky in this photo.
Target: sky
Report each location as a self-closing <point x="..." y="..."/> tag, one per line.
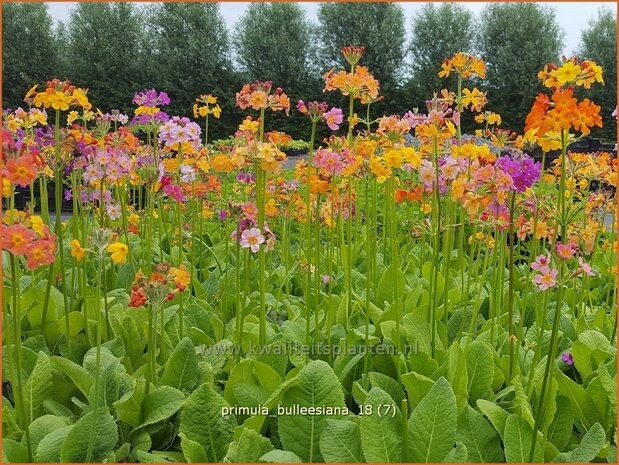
<point x="572" y="16"/>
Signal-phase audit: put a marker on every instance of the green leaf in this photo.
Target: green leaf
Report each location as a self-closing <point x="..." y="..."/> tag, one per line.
<point x="44" y="425"/>
<point x="181" y="369"/>
<point x="38" y="387"/>
<point x="458" y="454"/>
<point x="105" y="434"/>
<point x="280" y="456"/>
<point x="588" y="449"/>
<point x="49" y="447"/>
<point x="560" y="428"/>
<point x="129" y="407"/>
<point x="248" y="448"/>
<point x="82" y="379"/>
<point x="161" y="404"/>
<point x="340" y="442"/>
<point x="417" y="386"/>
<point x="497" y="415"/>
<point x="517" y="438"/>
<point x="317" y="386"/>
<point x="480" y="370"/>
<point x="432" y="425"/>
<point x="14" y="452"/>
<point x="391" y="277"/>
<point x="480" y="438"/>
<point x="418" y="334"/>
<point x="381" y="431"/>
<point x="580" y="401"/>
<point x="457" y="374"/>
<point x="193" y="451"/>
<point x="202" y="422"/>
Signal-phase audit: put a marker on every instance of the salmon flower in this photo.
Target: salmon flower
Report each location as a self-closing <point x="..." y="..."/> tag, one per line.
<point x="40" y="253"/>
<point x="15" y="238"/>
<point x="21" y="171"/>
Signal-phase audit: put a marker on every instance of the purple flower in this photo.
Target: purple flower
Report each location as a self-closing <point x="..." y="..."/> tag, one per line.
<point x="567" y="359"/>
<point x="68" y="195"/>
<point x="222" y="214"/>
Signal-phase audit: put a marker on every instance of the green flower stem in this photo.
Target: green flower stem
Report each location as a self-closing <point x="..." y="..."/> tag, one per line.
<point x="510" y="297"/>
<point x="554" y="335"/>
<point x="308" y="235"/>
<point x="58" y="229"/>
<point x="436" y="223"/>
<point x="260" y="201"/>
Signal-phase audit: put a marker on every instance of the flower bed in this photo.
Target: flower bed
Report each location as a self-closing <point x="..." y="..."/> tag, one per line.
<point x="407" y="293"/>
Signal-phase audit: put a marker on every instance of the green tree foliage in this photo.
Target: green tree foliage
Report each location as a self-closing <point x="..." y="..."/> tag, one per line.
<point x="273" y="41"/>
<point x="599" y="43"/>
<point x="516" y="40"/>
<point x="438" y="31"/>
<point x="379" y="27"/>
<point x="29" y="54"/>
<point x="104" y="52"/>
<point x="191" y="55"/>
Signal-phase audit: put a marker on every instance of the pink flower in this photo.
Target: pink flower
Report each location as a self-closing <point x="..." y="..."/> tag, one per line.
<point x="541" y="263"/>
<point x="252" y="238"/>
<point x="333" y="118"/>
<point x="584" y="268"/>
<point x="565" y="251"/>
<point x="329" y="161"/>
<point x="546" y="279"/>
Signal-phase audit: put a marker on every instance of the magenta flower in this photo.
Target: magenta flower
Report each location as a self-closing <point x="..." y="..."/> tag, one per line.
<point x="567" y="359"/>
<point x="333" y="118"/>
<point x="251" y="239"/>
<point x="175" y="192"/>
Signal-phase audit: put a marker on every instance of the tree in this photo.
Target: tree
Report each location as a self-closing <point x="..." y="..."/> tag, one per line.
<point x="516" y="40"/>
<point x="273" y="42"/>
<point x="29" y="54"/>
<point x="599" y="43"/>
<point x="437" y="33"/>
<point x="191" y="55"/>
<point x="104" y="52"/>
<point x="379" y="27"/>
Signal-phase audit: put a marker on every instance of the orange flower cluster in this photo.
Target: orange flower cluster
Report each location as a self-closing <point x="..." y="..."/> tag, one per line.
<point x="360" y="83"/>
<point x="258" y="96"/>
<point x="562" y="111"/>
<point x="464" y="64"/>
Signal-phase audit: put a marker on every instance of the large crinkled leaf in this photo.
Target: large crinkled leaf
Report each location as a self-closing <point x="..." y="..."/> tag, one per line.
<point x="98" y="429"/>
<point x="480" y="438"/>
<point x="560" y="428"/>
<point x="381" y="430"/>
<point x="202" y="422"/>
<point x="193" y="451"/>
<point x="82" y="379"/>
<point x="432" y="425"/>
<point x="161" y="404"/>
<point x="181" y="369"/>
<point x="14" y="452"/>
<point x="589" y="447"/>
<point x="340" y="442"/>
<point x="248" y="446"/>
<point x="44" y="425"/>
<point x="38" y="387"/>
<point x="317" y="386"/>
<point x="517" y="439"/>
<point x="49" y="447"/>
<point x="480" y="370"/>
<point x="496" y="414"/>
<point x="129" y="407"/>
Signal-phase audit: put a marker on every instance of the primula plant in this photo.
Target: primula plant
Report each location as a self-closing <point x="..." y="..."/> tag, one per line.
<point x="407" y="292"/>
